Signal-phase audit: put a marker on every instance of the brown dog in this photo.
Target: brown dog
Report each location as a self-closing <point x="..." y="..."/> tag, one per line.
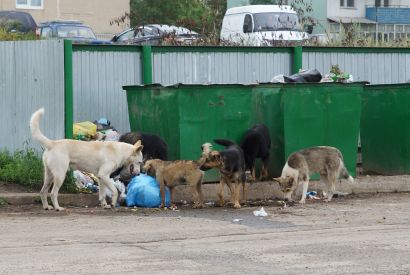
<point x="231" y="165"/>
<point x="174" y="173"/>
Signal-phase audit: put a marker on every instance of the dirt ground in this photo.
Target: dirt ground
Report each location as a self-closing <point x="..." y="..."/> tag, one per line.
<point x="357" y="234"/>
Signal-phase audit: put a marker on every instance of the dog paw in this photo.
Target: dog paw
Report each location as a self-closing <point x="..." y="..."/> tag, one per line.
<point x="302" y="201"/>
<point x="106" y="206"/>
<point x="237" y="205"/>
<point x="60" y="209"/>
<point x="48" y="207"/>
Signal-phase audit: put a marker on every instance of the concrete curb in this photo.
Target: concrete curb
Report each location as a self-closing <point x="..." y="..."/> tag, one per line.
<point x="255" y="191"/>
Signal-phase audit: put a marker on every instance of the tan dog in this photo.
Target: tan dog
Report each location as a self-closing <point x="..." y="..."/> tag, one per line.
<point x="174" y="173"/>
<point x="325" y="160"/>
<point x="96" y="157"/>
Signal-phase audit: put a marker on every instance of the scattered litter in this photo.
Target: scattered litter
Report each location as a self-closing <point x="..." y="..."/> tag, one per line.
<point x="85" y="182"/>
<point x="312" y="195"/>
<point x="237" y="220"/>
<point x="122" y="196"/>
<point x="338" y="194"/>
<point x="260" y="213"/>
<point x="210" y="203"/>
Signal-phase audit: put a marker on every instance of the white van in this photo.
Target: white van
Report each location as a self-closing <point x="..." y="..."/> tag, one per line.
<point x="261" y="25"/>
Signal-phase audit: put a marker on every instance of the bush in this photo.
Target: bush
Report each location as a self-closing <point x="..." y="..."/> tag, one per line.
<point x="14" y="36"/>
<point x="25" y="168"/>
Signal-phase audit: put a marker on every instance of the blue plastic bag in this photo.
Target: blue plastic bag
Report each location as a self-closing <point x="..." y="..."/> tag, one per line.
<point x="143" y="191"/>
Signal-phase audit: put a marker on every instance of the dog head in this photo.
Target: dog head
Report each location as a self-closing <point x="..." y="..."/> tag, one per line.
<point x="133" y="165"/>
<point x="213" y="159"/>
<point x="286" y="184"/>
<point x="151" y="166"/>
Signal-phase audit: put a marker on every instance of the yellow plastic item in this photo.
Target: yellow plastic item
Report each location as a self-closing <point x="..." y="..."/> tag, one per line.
<point x="84" y="130"/>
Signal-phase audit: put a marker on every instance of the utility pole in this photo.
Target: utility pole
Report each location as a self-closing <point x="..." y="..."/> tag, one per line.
<point x="377" y="27"/>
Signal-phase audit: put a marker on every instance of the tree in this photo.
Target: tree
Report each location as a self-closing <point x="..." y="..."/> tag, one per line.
<point x="204" y="16"/>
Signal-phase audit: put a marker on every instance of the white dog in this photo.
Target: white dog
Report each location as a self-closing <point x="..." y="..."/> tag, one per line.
<point x="97" y="157"/>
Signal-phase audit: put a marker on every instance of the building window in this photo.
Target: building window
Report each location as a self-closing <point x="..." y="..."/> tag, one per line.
<point x="29" y="4"/>
<point x="347" y="3"/>
<point x="378" y="3"/>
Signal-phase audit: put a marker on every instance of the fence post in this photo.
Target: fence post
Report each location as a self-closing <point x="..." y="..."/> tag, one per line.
<point x="297" y="59"/>
<point x="68" y="89"/>
<point x="146" y="64"/>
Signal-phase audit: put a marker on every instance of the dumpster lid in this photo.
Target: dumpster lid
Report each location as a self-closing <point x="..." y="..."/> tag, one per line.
<point x="178" y="85"/>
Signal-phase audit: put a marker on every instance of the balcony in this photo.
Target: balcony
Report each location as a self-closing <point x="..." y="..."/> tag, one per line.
<point x="390" y="15"/>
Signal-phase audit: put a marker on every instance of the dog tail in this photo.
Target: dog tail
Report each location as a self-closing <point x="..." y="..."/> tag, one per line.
<point x="344" y="174"/>
<point x="224" y="142"/>
<point x="35" y="129"/>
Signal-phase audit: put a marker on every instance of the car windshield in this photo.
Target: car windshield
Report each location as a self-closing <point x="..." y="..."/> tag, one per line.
<point x="75" y="31"/>
<point x="274" y="21"/>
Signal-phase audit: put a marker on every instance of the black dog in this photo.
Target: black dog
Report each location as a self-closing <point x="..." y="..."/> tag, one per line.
<point x="231" y="165"/>
<point x="256" y="144"/>
<point x="154" y="146"/>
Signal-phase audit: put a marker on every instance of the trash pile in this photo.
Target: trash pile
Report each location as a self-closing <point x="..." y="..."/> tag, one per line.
<point x="314" y="76"/>
<point x="100" y="129"/>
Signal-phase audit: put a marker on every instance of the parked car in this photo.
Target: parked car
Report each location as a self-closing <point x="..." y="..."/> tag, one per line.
<point x="261" y="25"/>
<point x="153" y="34"/>
<point x="17" y="21"/>
<point x="73" y="30"/>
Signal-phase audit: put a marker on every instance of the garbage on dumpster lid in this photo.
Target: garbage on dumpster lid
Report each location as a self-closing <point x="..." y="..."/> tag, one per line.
<point x="337" y="75"/>
<point x="278" y="79"/>
<point x="311" y="75"/>
<point x="303" y="76"/>
<point x="260" y="213"/>
<point x="143" y="191"/>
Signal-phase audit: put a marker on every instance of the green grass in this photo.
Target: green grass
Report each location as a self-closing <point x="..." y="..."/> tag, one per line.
<point x="24" y="167"/>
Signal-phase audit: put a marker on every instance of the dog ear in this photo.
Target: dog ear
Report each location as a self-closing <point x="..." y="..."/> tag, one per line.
<point x="138" y="147"/>
<point x="276" y="179"/>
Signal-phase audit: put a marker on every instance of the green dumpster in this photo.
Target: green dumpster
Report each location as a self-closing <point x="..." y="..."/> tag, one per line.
<point x="187" y="116"/>
<point x="317" y="114"/>
<point x="297" y="115"/>
<point x="384" y="134"/>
